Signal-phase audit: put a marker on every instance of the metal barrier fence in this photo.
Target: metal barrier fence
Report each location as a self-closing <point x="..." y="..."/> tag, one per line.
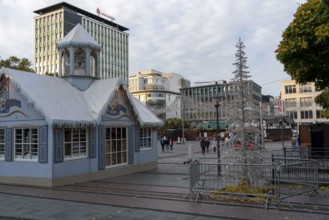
<point x="303" y="152"/>
<point x="277" y="178"/>
<point x="295" y="177"/>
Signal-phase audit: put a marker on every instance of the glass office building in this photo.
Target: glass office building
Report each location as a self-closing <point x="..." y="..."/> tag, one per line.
<point x="54" y="22"/>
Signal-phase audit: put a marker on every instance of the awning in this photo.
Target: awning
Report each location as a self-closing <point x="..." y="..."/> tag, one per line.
<point x="212" y="125"/>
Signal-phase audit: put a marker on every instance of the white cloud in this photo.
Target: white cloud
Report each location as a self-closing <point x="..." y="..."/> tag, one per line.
<point x="193" y="38"/>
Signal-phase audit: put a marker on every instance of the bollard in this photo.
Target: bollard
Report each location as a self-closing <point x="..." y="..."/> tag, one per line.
<point x="190" y="151"/>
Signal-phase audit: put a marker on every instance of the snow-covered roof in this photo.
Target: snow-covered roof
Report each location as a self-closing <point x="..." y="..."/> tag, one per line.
<point x="146" y="116"/>
<point x="63" y="104"/>
<point x="78" y="36"/>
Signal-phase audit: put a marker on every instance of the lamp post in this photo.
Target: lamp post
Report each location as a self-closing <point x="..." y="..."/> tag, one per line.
<point x="217" y="134"/>
<point x="183" y="85"/>
<point x="282" y="139"/>
<point x="182" y="114"/>
<point x="217" y="138"/>
<point x="261" y="125"/>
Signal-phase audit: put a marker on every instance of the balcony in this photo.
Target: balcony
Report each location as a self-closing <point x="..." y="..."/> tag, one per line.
<point x="154" y="87"/>
<point x="156" y="103"/>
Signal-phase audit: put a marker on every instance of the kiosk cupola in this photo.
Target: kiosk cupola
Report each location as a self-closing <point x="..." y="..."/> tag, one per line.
<point x="78" y="55"/>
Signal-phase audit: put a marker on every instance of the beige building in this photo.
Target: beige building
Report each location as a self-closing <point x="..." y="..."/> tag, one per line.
<point x="159" y="91"/>
<point x="299" y="104"/>
<point x="55" y="21"/>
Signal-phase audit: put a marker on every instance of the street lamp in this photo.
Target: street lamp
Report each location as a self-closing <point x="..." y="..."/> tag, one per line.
<point x="182" y="113"/>
<point x="183" y="85"/>
<point x="217" y="134"/>
<point x="282" y="123"/>
<point x="217" y="137"/>
<point x="261" y="124"/>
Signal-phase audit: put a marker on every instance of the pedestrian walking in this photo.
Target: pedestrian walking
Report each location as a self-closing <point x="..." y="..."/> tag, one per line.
<point x="171" y="144"/>
<point x="166" y="143"/>
<point x="207" y="143"/>
<point x="203" y="146"/>
<point x="162" y="143"/>
<point x="214" y="144"/>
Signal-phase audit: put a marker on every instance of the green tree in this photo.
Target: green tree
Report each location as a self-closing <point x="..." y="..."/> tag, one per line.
<point x="304" y="48"/>
<point x="174" y="123"/>
<point x="16" y="63"/>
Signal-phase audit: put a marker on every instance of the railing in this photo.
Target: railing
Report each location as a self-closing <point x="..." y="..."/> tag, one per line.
<point x="303" y="152"/>
<point x="296" y="177"/>
<point x="275" y="178"/>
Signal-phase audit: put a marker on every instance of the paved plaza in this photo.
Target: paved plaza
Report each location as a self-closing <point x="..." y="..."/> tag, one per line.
<point x="171" y="176"/>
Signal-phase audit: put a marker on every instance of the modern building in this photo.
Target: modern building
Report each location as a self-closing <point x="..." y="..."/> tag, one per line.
<point x="75" y="127"/>
<point x="159" y="91"/>
<point x="55" y="21"/>
<point x="199" y="101"/>
<point x="298" y="102"/>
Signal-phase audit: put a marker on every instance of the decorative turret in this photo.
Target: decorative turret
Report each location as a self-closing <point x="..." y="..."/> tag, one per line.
<point x="78" y="56"/>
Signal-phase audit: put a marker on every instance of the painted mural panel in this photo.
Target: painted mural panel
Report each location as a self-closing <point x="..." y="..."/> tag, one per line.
<point x="116" y="107"/>
<point x="13" y="105"/>
<point x="5" y="102"/>
<point x="120" y="107"/>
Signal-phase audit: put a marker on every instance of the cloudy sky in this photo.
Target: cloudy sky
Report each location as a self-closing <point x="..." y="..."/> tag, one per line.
<point x="193" y="38"/>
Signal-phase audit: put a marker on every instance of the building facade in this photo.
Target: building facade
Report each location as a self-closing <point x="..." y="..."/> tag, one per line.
<point x="55" y="21"/>
<point x="159" y="91"/>
<point x="298" y="102"/>
<point x="199" y="101"/>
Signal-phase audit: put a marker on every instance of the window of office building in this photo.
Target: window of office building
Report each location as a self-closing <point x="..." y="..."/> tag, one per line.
<point x="306" y="114"/>
<point x="319" y="114"/>
<point x="290" y="103"/>
<point x="306" y="102"/>
<point x="26" y="143"/>
<point x="305" y="88"/>
<point x="292" y="114"/>
<point x="290" y="89"/>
